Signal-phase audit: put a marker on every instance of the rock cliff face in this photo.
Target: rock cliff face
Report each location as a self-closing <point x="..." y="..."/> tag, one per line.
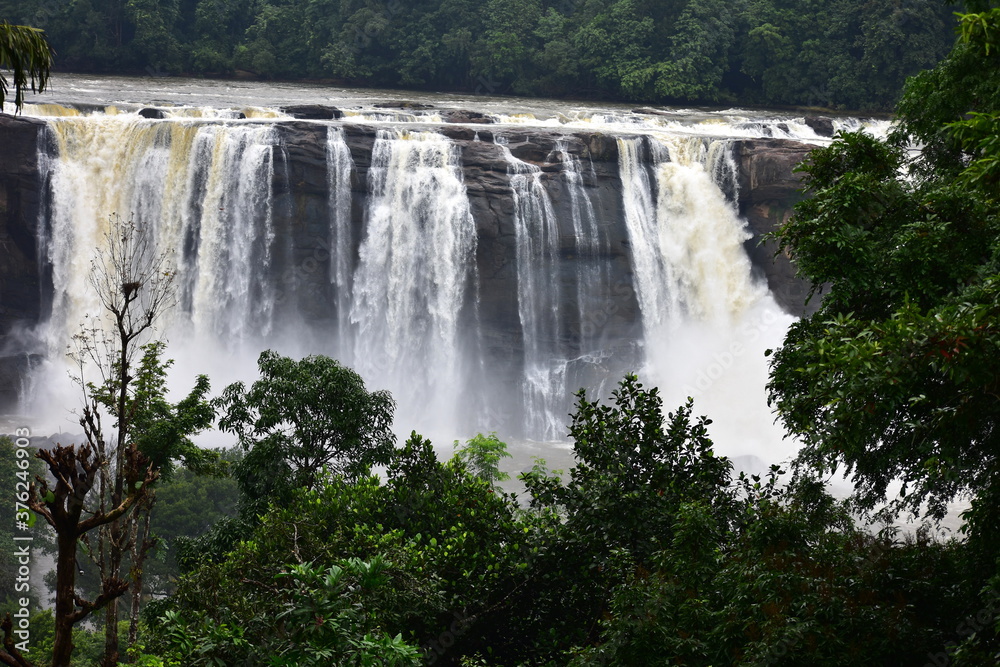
<point x="20" y="293"/>
<point x="768" y="191"/>
<point x="767" y="188"/>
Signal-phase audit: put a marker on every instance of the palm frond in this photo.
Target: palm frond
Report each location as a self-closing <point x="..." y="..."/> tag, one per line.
<point x="26" y="53"/>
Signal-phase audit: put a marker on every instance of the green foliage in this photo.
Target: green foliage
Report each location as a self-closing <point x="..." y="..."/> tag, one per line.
<point x="300" y="423"/>
<point x="162" y="431"/>
<point x="649" y="554"/>
<point x="634" y="471"/>
<point x="88" y="644"/>
<point x="894" y="378"/>
<point x="326" y="627"/>
<point x="448" y="543"/>
<point x="26" y="53"/>
<point x="482" y="455"/>
<point x="796" y="584"/>
<point x="837" y="53"/>
<point x="302" y="418"/>
<point x="187" y="505"/>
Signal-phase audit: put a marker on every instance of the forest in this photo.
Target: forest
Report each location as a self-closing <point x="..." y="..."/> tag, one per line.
<point x="837" y="54"/>
<point x="318" y="539"/>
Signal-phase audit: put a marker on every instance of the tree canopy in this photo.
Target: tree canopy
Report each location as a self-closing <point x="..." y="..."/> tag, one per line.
<point x="896" y="376"/>
<point x="836" y="53"/>
<point x="303" y="419"/>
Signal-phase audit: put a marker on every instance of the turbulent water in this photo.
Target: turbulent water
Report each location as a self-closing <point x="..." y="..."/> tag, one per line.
<point x="405" y="304"/>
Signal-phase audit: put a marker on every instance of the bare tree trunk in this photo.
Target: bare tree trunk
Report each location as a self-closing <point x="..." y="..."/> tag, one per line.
<point x="65" y="591"/>
<point x="140" y="545"/>
<point x="110" y="635"/>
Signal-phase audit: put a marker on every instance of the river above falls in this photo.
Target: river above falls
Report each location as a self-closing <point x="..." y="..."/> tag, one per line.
<point x="190" y="97"/>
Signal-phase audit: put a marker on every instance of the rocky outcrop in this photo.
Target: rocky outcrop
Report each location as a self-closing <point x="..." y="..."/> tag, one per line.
<point x="313" y="112"/>
<point x="20" y="198"/>
<point x="821" y="125"/>
<point x="466" y="117"/>
<point x="20" y="290"/>
<point x="153" y="113"/>
<point x="769" y="188"/>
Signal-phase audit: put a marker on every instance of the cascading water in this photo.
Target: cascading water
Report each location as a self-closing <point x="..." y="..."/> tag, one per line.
<point x="339" y="167"/>
<point x="413" y="275"/>
<point x="200" y="192"/>
<point x="401" y="290"/>
<point x="706" y="320"/>
<point x="538" y="298"/>
<point x="591" y="274"/>
<point x="231" y="295"/>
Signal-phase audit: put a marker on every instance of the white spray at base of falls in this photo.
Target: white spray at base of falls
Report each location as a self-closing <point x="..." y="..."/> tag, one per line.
<point x="707" y="322"/>
<point x="399" y="292"/>
<point x="413" y="276"/>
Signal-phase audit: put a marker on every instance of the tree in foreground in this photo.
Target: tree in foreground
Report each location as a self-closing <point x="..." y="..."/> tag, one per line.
<point x="299" y="424"/>
<point x="103" y="491"/>
<point x="650" y="554"/>
<point x="27" y="54"/>
<point x="303" y="419"/>
<point x="896" y="376"/>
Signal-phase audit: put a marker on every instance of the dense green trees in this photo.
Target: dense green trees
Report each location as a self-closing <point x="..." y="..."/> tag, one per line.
<point x="838" y="53"/>
<point x="895" y="377"/>
<point x="650" y="553"/>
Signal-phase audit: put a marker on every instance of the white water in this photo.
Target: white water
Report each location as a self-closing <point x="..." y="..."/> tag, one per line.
<point x="209" y="182"/>
<point x="339" y="169"/>
<point x="707" y="322"/>
<point x="412" y="276"/>
<point x="538" y="299"/>
<point x="403" y="292"/>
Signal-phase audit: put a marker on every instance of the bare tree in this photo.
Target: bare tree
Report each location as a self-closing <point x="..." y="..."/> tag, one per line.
<point x="134" y="286"/>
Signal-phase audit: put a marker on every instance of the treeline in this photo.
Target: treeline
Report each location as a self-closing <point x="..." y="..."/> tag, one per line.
<point x="650" y="552"/>
<point x="846" y="54"/>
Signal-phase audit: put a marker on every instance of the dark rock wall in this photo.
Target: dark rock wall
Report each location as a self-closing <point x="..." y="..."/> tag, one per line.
<point x="20" y="293"/>
<point x="768" y="189"/>
<point x="20" y="197"/>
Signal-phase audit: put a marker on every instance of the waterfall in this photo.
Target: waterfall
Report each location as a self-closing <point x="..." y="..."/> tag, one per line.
<point x="591" y="273"/>
<point x="706" y="320"/>
<point x="543" y="384"/>
<point x="201" y="192"/>
<point x="231" y="293"/>
<point x="686" y="238"/>
<point x="339" y="167"/>
<point x="412" y="277"/>
<point x="485" y="303"/>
